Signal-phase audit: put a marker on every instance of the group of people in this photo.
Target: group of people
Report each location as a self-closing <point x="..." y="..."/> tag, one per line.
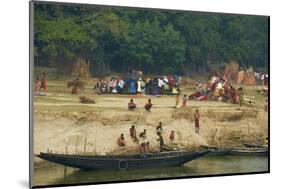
<point x="147" y="106"/>
<point x="131" y="85"/>
<point x="141" y="139"/>
<point x="261" y="78"/>
<point x="114" y="85"/>
<point x="40" y="85"/>
<point x="132" y="105"/>
<point x="184" y="101"/>
<point x="218" y="88"/>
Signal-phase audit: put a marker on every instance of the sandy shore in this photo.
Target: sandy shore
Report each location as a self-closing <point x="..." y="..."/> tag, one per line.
<point x="62" y="123"/>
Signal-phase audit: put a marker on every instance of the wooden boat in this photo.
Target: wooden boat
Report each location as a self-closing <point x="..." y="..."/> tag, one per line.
<point x="254" y="145"/>
<point x="219" y="152"/>
<point x="123" y="162"/>
<point x="214" y="151"/>
<point x="249" y="151"/>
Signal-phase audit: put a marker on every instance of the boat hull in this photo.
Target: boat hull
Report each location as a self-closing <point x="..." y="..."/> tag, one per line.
<point x="152" y="160"/>
<point x="220" y="152"/>
<point x="250" y="151"/>
<point x="214" y="151"/>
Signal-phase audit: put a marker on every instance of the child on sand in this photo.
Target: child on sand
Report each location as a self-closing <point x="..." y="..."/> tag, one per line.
<point x="133" y="133"/>
<point x="143" y="134"/>
<point x="184" y="99"/>
<point x="36" y="85"/>
<point x="266" y="105"/>
<point x="177" y="100"/>
<point x="144" y="147"/>
<point x="121" y="140"/>
<point x="148" y="105"/>
<point x="131" y="105"/>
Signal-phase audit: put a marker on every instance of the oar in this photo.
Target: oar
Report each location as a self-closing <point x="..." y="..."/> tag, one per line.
<point x="123" y="151"/>
<point x="213" y="138"/>
<point x="85" y="144"/>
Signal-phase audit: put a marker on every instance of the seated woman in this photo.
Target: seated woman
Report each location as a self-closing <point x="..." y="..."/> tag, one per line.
<point x="121" y="140"/>
<point x="131" y="105"/>
<point x="161" y="142"/>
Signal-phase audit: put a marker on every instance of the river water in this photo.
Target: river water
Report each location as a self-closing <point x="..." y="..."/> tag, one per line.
<point x="52" y="174"/>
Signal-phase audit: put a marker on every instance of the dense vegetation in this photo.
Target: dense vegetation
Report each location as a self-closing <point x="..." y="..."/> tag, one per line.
<point x="155" y="41"/>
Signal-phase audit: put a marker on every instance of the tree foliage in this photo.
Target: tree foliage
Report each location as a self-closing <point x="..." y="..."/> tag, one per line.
<point x="155" y="41"/>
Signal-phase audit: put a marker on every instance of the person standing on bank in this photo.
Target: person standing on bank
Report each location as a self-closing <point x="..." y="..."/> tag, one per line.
<point x="172" y="136"/>
<point x="159" y="128"/>
<point x="196" y="119"/>
<point x="133" y="133"/>
<point x="266" y="105"/>
<point x="161" y="141"/>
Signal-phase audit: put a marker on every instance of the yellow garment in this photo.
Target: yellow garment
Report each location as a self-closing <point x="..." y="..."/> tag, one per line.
<point x="174" y="91"/>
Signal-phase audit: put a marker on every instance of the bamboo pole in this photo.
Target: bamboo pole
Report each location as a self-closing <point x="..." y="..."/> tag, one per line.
<point x="213" y="138"/>
<point x="76" y="145"/>
<point x="95" y="139"/>
<point x="85" y="144"/>
<point x="249" y="132"/>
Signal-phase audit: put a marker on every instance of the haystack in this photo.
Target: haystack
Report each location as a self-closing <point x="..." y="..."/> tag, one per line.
<point x="81" y="68"/>
<point x="240" y="77"/>
<point x="250" y="79"/>
<point x="86" y="100"/>
<point x="231" y="71"/>
<point x="246" y="78"/>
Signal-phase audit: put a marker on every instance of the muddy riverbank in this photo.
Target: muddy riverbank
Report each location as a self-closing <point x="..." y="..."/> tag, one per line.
<point x="64" y="127"/>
